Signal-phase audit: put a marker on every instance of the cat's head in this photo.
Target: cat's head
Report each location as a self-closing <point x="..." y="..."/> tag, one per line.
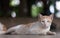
<point x="45" y="20"/>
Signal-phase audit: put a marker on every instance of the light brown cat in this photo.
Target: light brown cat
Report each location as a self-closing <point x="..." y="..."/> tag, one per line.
<point x="42" y="26"/>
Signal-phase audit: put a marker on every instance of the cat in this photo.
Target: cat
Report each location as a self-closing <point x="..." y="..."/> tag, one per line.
<point x="42" y="26"/>
<point x="3" y="29"/>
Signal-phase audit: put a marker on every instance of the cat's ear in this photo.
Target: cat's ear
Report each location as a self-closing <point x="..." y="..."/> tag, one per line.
<point x="52" y="15"/>
<point x="40" y="15"/>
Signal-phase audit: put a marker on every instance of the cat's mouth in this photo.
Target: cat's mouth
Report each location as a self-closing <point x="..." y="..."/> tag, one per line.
<point x="45" y="26"/>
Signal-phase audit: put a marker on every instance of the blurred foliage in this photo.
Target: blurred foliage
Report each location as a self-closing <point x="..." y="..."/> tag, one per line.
<point x="35" y="10"/>
<point x="13" y="7"/>
<point x="14" y="3"/>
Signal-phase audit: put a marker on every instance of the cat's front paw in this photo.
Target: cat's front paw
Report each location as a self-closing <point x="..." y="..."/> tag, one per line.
<point x="51" y="33"/>
<point x="43" y="34"/>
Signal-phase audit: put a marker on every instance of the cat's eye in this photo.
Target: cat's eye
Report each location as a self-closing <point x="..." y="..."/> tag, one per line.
<point x="42" y="21"/>
<point x="48" y="21"/>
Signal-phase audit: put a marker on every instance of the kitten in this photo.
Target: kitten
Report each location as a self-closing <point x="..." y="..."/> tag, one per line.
<point x="3" y="29"/>
<point x="42" y="26"/>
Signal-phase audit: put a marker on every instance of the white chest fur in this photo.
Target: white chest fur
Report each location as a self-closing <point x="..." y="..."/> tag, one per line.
<point x="37" y="29"/>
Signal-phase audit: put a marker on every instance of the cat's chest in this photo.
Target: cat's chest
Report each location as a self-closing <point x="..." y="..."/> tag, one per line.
<point x="36" y="28"/>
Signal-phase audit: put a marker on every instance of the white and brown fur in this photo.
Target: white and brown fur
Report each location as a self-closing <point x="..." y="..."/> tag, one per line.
<point x="3" y="28"/>
<point x="42" y="26"/>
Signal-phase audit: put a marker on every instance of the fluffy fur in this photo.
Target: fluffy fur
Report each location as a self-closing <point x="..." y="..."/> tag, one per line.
<point x="2" y="29"/>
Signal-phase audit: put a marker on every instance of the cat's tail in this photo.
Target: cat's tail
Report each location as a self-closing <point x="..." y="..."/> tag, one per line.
<point x="12" y="29"/>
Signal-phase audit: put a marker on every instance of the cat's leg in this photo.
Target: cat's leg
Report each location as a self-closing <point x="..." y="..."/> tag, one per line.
<point x="43" y="34"/>
<point x="13" y="29"/>
<point x="14" y="33"/>
<point x="51" y="33"/>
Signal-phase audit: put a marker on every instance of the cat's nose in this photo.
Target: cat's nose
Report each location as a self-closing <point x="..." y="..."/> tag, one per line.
<point x="45" y="25"/>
